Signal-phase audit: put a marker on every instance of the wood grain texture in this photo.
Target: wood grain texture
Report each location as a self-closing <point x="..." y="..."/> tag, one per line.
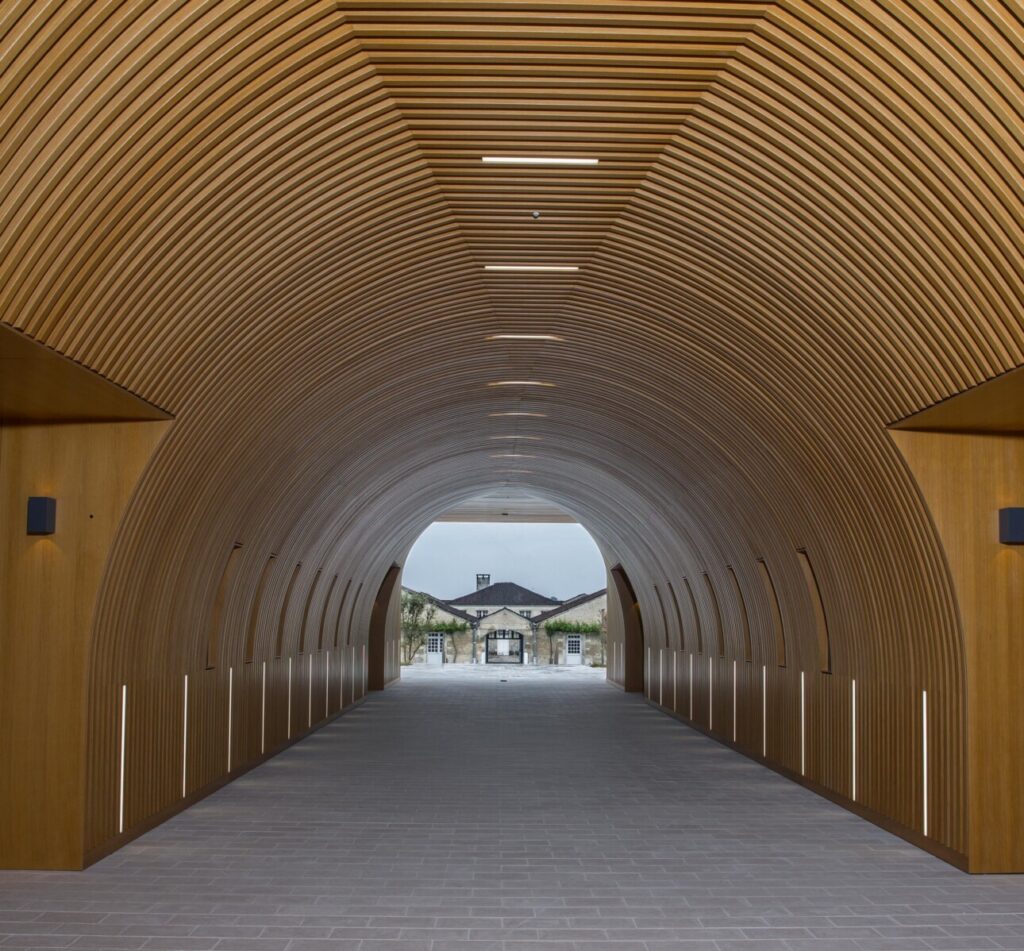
<point x="271" y="219"/>
<point x="38" y="384"/>
<point x="46" y="616"/>
<point x="966" y="479"/>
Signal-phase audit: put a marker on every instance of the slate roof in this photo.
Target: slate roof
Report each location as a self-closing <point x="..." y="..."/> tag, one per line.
<point x="506" y="593"/>
<point x="566" y="605"/>
<point x="444" y="605"/>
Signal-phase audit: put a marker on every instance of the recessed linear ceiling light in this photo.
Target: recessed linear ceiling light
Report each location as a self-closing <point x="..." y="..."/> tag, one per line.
<point x="534" y="438"/>
<point x="553" y="337"/>
<point x="536" y="160"/>
<point x="519" y="383"/>
<point x="511" y="455"/>
<point x="531" y="267"/>
<point x="520" y="413"/>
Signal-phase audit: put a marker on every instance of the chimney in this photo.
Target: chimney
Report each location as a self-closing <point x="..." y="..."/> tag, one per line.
<point x="482" y="581"/>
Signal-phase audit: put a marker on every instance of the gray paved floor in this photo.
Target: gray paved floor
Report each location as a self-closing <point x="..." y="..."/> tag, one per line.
<point x="550" y="812"/>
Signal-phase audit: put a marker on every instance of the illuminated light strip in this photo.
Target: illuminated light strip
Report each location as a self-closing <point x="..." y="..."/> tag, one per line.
<point x="648" y="674"/>
<point x="263" y="712"/>
<point x="231" y="694"/>
<point x="675" y="657"/>
<point x="734" y="701"/>
<point x="327" y="687"/>
<point x="309" y="711"/>
<point x="520" y="383"/>
<point x="518" y="413"/>
<point x="549" y="337"/>
<point x="184" y="743"/>
<point x="764" y="710"/>
<point x="121" y="759"/>
<point x="924" y="760"/>
<point x="711" y="689"/>
<point x="691" y="686"/>
<point x="532" y="438"/>
<point x="512" y="455"/>
<point x="661" y="676"/>
<point x="531" y="267"/>
<point x="853" y="740"/>
<point x="536" y="160"/>
<point x="289" y="698"/>
<point x="803" y="727"/>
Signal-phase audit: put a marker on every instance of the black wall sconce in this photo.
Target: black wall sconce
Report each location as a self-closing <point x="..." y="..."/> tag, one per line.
<point x="42" y="515"/>
<point x="1011" y="526"/>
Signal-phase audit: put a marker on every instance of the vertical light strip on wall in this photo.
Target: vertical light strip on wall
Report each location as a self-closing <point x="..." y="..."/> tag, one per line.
<point x="120" y="769"/>
<point x="675" y="679"/>
<point x="924" y="761"/>
<point x="764" y="710"/>
<point x="289" y="698"/>
<point x="648" y="673"/>
<point x="309" y="703"/>
<point x="734" y="701"/>
<point x="711" y="688"/>
<point x="263" y="712"/>
<point x="853" y="740"/>
<point x="184" y="744"/>
<point x="327" y="686"/>
<point x="341" y="680"/>
<point x="366" y="671"/>
<point x="803" y="727"/>
<point x="231" y="694"/>
<point x="661" y="676"/>
<point x="691" y="686"/>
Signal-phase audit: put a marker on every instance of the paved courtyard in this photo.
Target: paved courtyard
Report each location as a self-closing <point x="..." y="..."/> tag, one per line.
<point x="489" y="809"/>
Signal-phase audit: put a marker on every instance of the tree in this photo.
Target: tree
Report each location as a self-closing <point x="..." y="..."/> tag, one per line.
<point x="451" y="628"/>
<point x="418" y="613"/>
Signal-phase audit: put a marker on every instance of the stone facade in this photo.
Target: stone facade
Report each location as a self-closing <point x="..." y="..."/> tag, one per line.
<point x="527" y="617"/>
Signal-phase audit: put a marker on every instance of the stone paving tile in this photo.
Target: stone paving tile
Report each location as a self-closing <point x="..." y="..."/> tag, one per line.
<point x="548" y="812"/>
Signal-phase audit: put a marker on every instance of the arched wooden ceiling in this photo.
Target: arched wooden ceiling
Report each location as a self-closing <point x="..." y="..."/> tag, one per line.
<point x="272" y="219"/>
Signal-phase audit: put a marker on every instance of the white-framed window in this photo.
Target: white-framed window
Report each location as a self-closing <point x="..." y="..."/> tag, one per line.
<point x="480" y="612"/>
<point x="527" y="613"/>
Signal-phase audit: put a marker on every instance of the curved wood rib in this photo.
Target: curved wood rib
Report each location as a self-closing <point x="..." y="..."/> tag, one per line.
<point x="271" y="218"/>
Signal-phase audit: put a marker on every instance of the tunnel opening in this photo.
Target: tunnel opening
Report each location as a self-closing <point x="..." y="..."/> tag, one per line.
<point x="542" y="602"/>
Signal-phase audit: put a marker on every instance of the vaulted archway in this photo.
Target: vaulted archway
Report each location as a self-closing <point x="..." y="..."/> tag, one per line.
<point x="289" y="232"/>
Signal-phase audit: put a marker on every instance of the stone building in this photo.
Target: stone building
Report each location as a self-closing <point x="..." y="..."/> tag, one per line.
<point x="510" y="624"/>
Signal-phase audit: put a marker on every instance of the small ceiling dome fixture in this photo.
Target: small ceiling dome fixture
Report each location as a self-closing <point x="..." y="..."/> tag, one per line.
<point x="535" y="215"/>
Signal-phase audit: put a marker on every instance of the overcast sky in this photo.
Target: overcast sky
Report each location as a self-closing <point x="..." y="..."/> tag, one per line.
<point x="558" y="560"/>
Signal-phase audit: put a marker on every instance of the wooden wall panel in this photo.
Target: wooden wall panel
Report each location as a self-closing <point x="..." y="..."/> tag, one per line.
<point x="49" y="593"/>
<point x="966" y="479"/>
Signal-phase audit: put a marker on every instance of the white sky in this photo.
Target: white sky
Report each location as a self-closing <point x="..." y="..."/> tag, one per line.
<point x="558" y="560"/>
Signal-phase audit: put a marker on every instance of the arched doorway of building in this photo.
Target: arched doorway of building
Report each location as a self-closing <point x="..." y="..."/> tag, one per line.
<point x="629" y="671"/>
<point x="382" y="653"/>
